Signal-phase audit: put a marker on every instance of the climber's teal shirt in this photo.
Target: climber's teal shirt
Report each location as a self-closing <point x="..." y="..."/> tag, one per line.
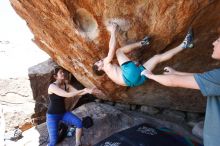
<point x="209" y="84"/>
<point x="132" y="74"/>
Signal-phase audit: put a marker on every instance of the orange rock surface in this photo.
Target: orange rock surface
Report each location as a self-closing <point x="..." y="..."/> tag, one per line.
<point x="73" y="33"/>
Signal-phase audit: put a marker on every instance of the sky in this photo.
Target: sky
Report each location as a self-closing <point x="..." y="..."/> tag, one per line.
<point x="17" y="51"/>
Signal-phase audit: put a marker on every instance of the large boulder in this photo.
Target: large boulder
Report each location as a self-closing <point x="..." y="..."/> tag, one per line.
<point x="39" y="76"/>
<point x="74" y="34"/>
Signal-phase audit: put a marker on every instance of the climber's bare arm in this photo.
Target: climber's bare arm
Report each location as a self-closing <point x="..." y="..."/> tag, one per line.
<point x="112" y="43"/>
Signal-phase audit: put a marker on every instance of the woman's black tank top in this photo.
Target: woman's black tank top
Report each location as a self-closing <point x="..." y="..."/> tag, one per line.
<point x="56" y="104"/>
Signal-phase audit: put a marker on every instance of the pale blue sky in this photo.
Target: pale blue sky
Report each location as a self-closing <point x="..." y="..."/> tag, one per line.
<point x="20" y="53"/>
<point x="12" y="27"/>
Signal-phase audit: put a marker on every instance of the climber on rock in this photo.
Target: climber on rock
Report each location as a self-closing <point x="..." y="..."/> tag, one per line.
<point x="128" y="73"/>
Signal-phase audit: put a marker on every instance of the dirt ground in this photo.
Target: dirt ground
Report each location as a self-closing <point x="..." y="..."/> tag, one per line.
<point x="15" y="91"/>
<point x="16" y="100"/>
<point x="17" y="54"/>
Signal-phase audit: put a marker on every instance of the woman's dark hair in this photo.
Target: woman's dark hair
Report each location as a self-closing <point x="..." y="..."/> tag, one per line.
<point x="96" y="70"/>
<point x="54" y="72"/>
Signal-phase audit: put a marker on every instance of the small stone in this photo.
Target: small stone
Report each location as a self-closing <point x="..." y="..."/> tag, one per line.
<point x="98" y="100"/>
<point x="192" y="123"/>
<point x="122" y="106"/>
<point x="133" y="107"/>
<point x="149" y="110"/>
<point x="198" y="129"/>
<point x="109" y="103"/>
<point x="173" y="115"/>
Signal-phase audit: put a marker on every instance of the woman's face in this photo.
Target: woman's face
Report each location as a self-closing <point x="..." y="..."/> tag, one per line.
<point x="60" y="75"/>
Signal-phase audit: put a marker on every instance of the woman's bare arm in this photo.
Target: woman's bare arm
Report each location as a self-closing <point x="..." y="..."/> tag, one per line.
<point x="85" y="90"/>
<point x="58" y="91"/>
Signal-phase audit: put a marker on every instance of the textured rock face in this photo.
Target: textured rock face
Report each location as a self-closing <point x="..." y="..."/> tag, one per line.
<point x="39" y="76"/>
<point x="74" y="34"/>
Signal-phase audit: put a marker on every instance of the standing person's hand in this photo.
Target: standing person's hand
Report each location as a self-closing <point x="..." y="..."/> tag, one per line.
<point x="169" y="70"/>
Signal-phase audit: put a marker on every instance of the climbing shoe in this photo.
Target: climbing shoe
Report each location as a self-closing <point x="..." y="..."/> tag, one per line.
<point x="188" y="41"/>
<point x="145" y="41"/>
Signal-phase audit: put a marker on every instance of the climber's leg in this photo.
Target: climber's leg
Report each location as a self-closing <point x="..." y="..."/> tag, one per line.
<point x="187" y="43"/>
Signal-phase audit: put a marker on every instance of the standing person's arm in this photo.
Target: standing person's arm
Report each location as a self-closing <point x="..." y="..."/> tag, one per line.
<point x="170" y="70"/>
<point x="174" y="80"/>
<point x="185" y="81"/>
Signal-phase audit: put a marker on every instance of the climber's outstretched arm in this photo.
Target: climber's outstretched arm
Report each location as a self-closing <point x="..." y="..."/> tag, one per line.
<point x="112" y="43"/>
